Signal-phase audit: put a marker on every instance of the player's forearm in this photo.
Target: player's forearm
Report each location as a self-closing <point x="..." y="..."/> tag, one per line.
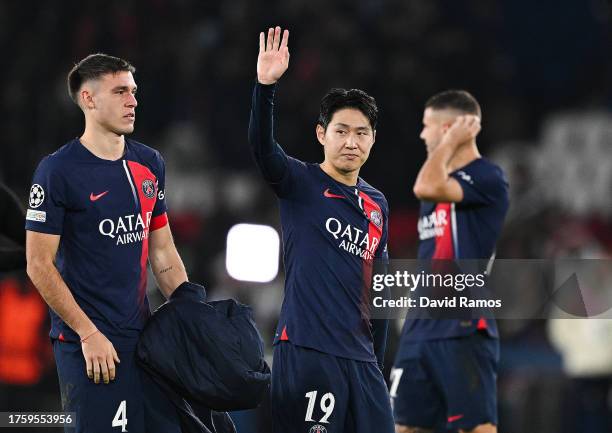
<point x="270" y="158"/>
<point x="434" y="173"/>
<point x="57" y="295"/>
<point x="261" y="123"/>
<point x="168" y="269"/>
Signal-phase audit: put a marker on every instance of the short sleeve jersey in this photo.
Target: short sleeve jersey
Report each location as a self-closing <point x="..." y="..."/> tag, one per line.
<point x="104" y="212"/>
<point x="465" y="230"/>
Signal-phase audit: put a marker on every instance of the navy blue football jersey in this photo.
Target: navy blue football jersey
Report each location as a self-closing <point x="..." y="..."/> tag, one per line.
<point x="104" y="211"/>
<point x="465" y="230"/>
<point x="332" y="234"/>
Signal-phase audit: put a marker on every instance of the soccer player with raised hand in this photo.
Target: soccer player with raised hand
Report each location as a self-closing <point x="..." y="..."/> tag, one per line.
<point x="444" y="376"/>
<point x="326" y="375"/>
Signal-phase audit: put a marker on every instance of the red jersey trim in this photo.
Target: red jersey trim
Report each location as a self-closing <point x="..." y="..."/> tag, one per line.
<point x="158" y="222"/>
<point x="482" y="324"/>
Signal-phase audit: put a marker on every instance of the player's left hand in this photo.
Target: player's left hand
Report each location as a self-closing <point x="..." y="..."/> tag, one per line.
<point x="464" y="129"/>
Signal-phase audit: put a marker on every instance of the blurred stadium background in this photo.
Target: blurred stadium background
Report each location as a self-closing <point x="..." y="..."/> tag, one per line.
<point x="542" y="72"/>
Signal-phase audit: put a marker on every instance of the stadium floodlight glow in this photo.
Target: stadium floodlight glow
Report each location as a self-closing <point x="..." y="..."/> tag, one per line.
<point x="252" y="253"/>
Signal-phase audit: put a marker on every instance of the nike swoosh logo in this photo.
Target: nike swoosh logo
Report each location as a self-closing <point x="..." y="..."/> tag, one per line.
<point x="93" y="197"/>
<point x="454" y="418"/>
<point x="328" y="194"/>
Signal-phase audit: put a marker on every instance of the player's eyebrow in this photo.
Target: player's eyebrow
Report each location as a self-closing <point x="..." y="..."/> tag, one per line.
<point x="117" y="88"/>
<point x="359" y="128"/>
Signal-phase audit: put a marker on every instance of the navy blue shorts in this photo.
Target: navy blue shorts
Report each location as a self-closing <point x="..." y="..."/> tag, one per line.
<point x="130" y="403"/>
<point x="446" y="384"/>
<point x="314" y="392"/>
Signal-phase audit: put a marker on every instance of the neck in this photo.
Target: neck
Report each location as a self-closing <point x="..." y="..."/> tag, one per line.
<point x="103" y="143"/>
<point x="349" y="178"/>
<point x="465" y="154"/>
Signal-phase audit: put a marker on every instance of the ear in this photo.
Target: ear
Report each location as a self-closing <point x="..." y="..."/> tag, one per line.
<point x="86" y="98"/>
<point x="320" y="131"/>
<point x="373" y="137"/>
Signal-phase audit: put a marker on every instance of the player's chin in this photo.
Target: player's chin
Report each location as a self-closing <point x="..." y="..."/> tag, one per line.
<point x="350" y="166"/>
<point x="431" y="146"/>
<point x="124" y="129"/>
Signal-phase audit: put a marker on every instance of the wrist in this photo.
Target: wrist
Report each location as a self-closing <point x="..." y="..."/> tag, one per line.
<point x="86" y="330"/>
<point x="266" y="81"/>
<point x="84" y="339"/>
<point x="452" y="143"/>
<point x="449" y="143"/>
<point x="445" y="150"/>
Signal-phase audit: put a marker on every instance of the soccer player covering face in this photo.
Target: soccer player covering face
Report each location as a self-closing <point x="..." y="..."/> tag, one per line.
<point x="326" y="375"/>
<point x="97" y="214"/>
<point x="445" y="370"/>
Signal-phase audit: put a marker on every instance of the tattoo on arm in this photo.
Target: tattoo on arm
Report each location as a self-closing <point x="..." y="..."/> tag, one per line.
<point x="165" y="269"/>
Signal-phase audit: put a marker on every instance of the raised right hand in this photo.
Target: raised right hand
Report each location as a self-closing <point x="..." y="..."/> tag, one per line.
<point x="464" y="129"/>
<point x="273" y="59"/>
<point x="100" y="357"/>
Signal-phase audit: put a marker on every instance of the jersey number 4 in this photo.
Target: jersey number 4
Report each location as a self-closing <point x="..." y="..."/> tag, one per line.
<point x="120" y="419"/>
<point x="328" y="401"/>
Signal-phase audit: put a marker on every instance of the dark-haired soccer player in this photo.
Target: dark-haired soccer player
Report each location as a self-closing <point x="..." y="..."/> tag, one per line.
<point x="325" y="376"/>
<point x="445" y="370"/>
<point x="96" y="215"/>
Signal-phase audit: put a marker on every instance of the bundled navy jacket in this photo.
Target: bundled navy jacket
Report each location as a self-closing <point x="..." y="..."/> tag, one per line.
<point x="206" y="356"/>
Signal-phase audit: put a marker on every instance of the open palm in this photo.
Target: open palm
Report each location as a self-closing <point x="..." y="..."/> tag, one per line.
<point x="273" y="59"/>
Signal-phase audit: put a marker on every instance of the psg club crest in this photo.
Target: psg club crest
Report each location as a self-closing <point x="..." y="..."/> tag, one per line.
<point x="376" y="218"/>
<point x="318" y="428"/>
<point x="37" y="195"/>
<point x="148" y="188"/>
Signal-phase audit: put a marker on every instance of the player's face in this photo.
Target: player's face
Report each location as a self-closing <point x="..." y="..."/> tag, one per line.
<point x="347" y="140"/>
<point x="435" y="125"/>
<point x="113" y="103"/>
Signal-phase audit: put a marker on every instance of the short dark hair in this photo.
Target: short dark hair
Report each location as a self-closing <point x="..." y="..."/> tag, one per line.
<point x="93" y="67"/>
<point x="337" y="99"/>
<point x="459" y="100"/>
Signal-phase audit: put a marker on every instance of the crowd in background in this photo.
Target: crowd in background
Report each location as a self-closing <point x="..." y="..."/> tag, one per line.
<point x="540" y="70"/>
